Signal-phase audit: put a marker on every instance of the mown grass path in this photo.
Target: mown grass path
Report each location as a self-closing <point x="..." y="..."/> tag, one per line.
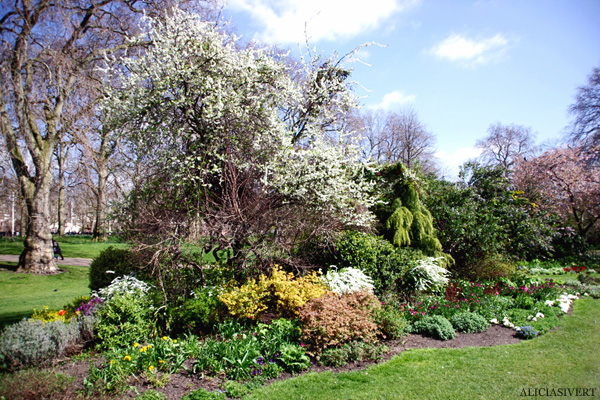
<point x="568" y="357"/>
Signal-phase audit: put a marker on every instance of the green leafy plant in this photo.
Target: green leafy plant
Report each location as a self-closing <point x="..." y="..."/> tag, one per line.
<point x="391" y="321"/>
<point x="435" y="326"/>
<point x="469" y="322"/>
<point x="111" y="263"/>
<point x="351" y="352"/>
<point x="203" y="394"/>
<point x="151" y="395"/>
<point x="235" y="390"/>
<point x="294" y="357"/>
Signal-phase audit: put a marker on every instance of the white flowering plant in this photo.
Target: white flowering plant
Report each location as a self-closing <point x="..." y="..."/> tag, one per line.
<point x="123" y="285"/>
<point x="347" y="280"/>
<point x="428" y="275"/>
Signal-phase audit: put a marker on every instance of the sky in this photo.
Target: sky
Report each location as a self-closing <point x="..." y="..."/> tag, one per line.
<point x="462" y="65"/>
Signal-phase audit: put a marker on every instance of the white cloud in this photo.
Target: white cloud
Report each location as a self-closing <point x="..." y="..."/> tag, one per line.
<point x="395" y="98"/>
<point x="459" y="48"/>
<point x="452" y="161"/>
<point x="285" y="21"/>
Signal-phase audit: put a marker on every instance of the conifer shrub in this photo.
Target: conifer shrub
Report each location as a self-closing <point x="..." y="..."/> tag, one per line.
<point x="469" y="322"/>
<point x="332" y="320"/>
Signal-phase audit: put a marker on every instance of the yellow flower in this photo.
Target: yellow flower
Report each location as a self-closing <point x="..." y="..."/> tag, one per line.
<point x="143" y="349"/>
<point x="160" y="361"/>
<point x="112" y="361"/>
<point x="164" y="338"/>
<point x="149" y="346"/>
<point x="127" y="357"/>
<point x="136" y="344"/>
<point x="175" y="341"/>
<point x="151" y="368"/>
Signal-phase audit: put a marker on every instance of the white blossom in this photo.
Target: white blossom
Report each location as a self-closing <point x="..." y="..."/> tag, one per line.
<point x="347" y="280"/>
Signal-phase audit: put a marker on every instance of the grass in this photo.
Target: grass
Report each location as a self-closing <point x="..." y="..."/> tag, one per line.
<point x="80" y="246"/>
<point x="21" y="293"/>
<point x="568" y="357"/>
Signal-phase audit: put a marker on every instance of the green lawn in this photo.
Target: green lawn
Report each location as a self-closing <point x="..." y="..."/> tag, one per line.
<point x="80" y="246"/>
<point x="21" y="293"/>
<point x="568" y="357"/>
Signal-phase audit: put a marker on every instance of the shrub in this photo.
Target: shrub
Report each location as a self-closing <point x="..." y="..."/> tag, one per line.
<point x="435" y="326"/>
<point x="281" y="292"/>
<point x="351" y="352"/>
<point x="391" y="322"/>
<point x="199" y="313"/>
<point x="32" y="343"/>
<point x="469" y="322"/>
<point x="127" y="313"/>
<point x="111" y="263"/>
<point x="333" y="320"/>
<point x="377" y="258"/>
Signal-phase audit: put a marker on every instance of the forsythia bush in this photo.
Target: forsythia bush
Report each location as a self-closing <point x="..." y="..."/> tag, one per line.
<point x="248" y="300"/>
<point x="333" y="320"/>
<point x="281" y="292"/>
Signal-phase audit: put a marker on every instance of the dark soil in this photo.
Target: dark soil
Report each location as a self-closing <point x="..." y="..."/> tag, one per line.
<point x="182" y="383"/>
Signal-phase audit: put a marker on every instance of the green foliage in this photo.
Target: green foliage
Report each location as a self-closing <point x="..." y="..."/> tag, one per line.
<point x="352" y="352"/>
<point x="199" y="313"/>
<point x="399" y="223"/>
<point x="151" y="395"/>
<point x="435" y="326"/>
<point x="110" y="264"/>
<point x="469" y="322"/>
<point x="376" y="257"/>
<point x="294" y="357"/>
<point x="333" y="320"/>
<point x="124" y="318"/>
<point x="391" y="322"/>
<point x="203" y="394"/>
<point x="235" y="390"/>
<point x="33" y="343"/>
<point x="483" y="223"/>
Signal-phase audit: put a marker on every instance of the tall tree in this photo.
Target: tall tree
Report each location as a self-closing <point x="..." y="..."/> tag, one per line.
<point x="586" y="112"/>
<point x="239" y="143"/>
<point x="397" y="137"/>
<point x="48" y="49"/>
<point x="564" y="181"/>
<point x="506" y="144"/>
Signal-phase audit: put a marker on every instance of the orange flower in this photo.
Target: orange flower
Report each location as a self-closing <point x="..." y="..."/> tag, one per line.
<point x="61" y="312"/>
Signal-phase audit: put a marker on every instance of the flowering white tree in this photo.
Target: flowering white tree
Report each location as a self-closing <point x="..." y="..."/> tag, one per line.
<point x="244" y="146"/>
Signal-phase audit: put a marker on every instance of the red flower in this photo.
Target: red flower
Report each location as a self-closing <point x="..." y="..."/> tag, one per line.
<point x="61" y="312"/>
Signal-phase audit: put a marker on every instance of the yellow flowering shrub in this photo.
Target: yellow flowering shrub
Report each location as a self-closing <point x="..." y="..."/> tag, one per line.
<point x="246" y="301"/>
<point x="281" y="292"/>
<point x="289" y="293"/>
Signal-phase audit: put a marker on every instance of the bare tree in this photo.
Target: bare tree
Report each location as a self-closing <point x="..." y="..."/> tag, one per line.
<point x="585" y="128"/>
<point x="48" y="49"/>
<point x="397" y="136"/>
<point x="506" y="144"/>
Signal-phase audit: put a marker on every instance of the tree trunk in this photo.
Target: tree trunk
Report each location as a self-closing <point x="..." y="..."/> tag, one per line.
<point x="37" y="256"/>
<point x="100" y="234"/>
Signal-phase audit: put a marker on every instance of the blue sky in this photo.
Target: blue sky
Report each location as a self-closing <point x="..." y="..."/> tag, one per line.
<point x="462" y="65"/>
